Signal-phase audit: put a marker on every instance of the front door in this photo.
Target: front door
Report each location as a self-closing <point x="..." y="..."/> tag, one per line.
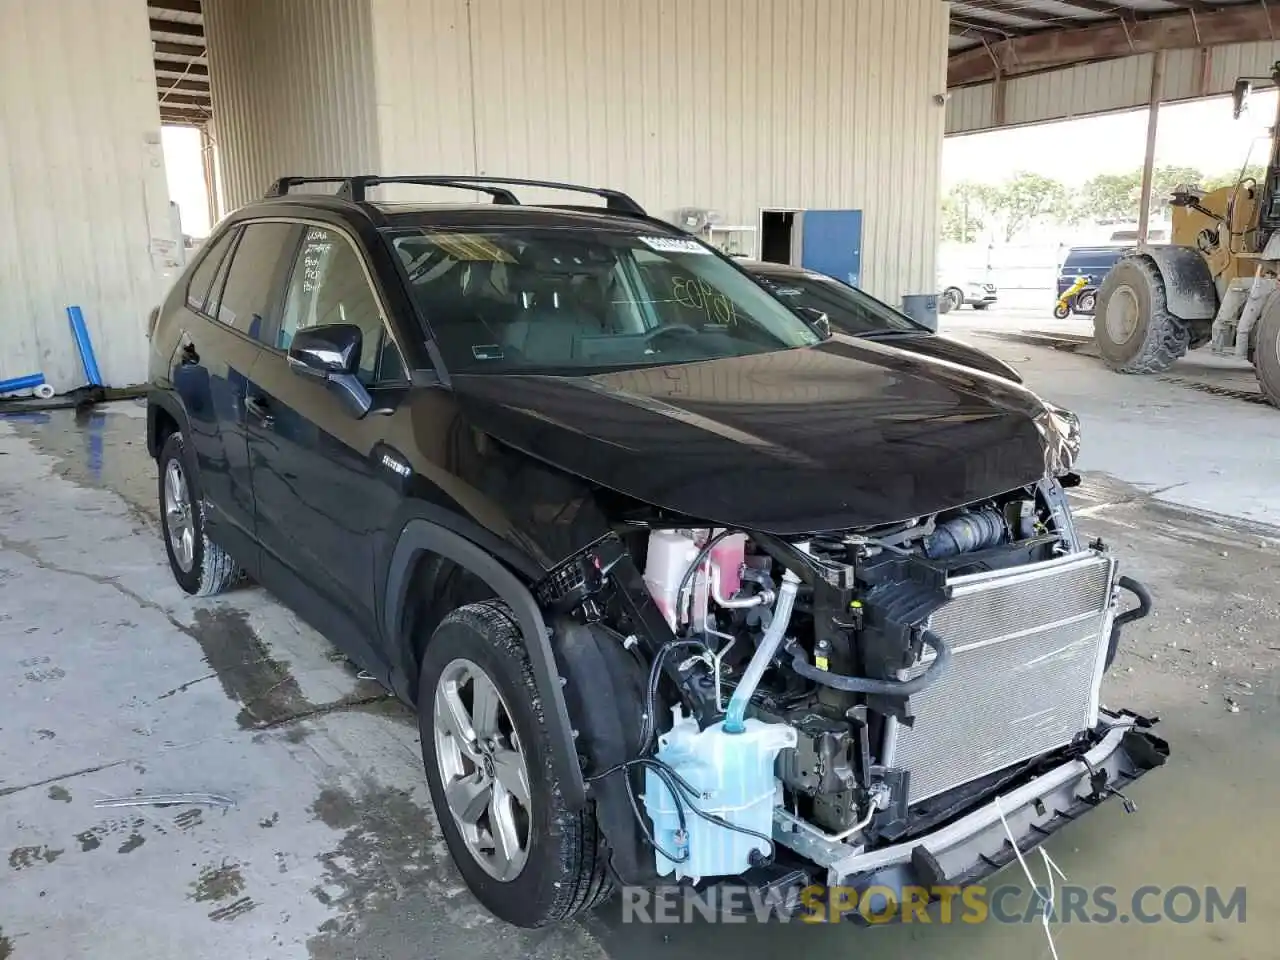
<point x="321" y="490"/>
<point x="832" y="244"/>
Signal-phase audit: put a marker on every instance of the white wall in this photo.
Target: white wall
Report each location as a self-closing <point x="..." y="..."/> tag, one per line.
<point x="83" y="205"/>
<point x="292" y="87"/>
<point x="732" y="105"/>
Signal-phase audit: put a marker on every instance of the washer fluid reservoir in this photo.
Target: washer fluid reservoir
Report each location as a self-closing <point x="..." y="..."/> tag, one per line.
<point x="732" y="774"/>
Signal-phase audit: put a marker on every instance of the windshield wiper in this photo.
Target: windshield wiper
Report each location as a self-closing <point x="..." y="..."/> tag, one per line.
<point x="888" y="334"/>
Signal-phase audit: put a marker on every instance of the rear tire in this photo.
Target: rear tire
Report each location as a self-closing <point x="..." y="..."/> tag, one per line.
<point x="200" y="566"/>
<point x="1086" y="301"/>
<point x="1266" y="351"/>
<point x="1133" y="327"/>
<point x="561" y="867"/>
<point x="1061" y="312"/>
<point x="951" y="299"/>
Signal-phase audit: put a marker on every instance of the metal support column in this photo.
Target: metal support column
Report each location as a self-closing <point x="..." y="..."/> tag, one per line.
<point x="1148" y="161"/>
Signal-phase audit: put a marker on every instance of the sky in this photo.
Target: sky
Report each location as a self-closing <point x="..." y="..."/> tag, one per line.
<point x="1201" y="134"/>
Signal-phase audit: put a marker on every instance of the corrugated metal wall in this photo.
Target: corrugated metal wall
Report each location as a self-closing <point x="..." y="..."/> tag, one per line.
<point x="1112" y="85"/>
<point x="84" y="215"/>
<point x="732" y="105"/>
<point x="293" y="90"/>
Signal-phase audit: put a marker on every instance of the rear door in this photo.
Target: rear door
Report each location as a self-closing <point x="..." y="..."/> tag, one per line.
<point x="211" y="366"/>
<point x="320" y="482"/>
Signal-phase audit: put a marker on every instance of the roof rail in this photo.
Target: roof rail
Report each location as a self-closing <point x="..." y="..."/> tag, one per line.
<point x="354" y="188"/>
<point x="282" y="186"/>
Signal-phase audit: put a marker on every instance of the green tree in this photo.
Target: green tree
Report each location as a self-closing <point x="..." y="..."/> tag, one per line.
<point x="1229" y="178"/>
<point x="965" y="210"/>
<point x="1112" y="196"/>
<point x="1164" y="180"/>
<point x="1026" y="198"/>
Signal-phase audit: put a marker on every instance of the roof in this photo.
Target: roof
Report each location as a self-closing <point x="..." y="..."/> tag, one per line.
<point x="470" y="215"/>
<point x="181" y="61"/>
<point x="1002" y="38"/>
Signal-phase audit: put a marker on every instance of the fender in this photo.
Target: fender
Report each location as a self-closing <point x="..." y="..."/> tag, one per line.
<point x="1189" y="290"/>
<point x="163" y="400"/>
<point x="419" y="536"/>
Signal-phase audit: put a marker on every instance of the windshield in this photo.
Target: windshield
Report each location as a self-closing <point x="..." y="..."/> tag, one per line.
<point x="557" y="300"/>
<point x="849" y="309"/>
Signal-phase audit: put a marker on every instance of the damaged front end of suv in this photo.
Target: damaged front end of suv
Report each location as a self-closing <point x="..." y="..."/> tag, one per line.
<point x="890" y="704"/>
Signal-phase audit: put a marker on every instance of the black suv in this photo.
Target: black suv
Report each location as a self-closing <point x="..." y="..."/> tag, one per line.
<point x="645" y="548"/>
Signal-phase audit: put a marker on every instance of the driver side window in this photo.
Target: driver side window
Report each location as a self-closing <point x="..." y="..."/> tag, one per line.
<point x="328" y="285"/>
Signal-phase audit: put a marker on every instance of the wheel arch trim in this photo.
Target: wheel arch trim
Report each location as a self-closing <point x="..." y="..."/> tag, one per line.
<point x="158" y="400"/>
<point x="1189" y="290"/>
<point x="422" y="536"/>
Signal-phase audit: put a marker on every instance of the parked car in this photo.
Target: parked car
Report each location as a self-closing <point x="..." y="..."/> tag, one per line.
<point x="856" y="313"/>
<point x="1092" y="263"/>
<point x="956" y="293"/>
<point x="679" y="584"/>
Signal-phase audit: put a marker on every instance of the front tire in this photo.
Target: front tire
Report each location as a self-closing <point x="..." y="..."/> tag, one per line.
<point x="488" y="756"/>
<point x="200" y="566"/>
<point x="1133" y="327"/>
<point x="951" y="299"/>
<point x="1266" y="351"/>
<point x="1061" y="311"/>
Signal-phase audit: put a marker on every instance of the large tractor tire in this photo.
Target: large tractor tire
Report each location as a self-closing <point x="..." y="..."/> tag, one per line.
<point x="1266" y="350"/>
<point x="1134" y="329"/>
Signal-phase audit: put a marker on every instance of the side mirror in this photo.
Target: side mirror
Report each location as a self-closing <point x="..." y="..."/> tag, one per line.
<point x="1240" y="97"/>
<point x="816" y="319"/>
<point x="332" y="353"/>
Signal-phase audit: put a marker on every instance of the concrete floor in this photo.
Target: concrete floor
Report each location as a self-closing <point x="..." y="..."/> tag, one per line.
<point x="116" y="682"/>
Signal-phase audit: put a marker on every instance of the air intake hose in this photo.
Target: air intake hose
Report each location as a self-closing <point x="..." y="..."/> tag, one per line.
<point x="869" y="685"/>
<point x="964" y="534"/>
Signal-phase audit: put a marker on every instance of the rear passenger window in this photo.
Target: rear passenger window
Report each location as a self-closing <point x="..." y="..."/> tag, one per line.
<point x="249" y="292"/>
<point x="206" y="270"/>
<point x="328" y="285"/>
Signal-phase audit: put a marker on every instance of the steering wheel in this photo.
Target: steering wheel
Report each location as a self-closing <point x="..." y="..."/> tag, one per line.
<point x="683" y="329"/>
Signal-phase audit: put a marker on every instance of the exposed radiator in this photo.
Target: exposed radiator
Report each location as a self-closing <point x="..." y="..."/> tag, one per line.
<point x="1028" y="649"/>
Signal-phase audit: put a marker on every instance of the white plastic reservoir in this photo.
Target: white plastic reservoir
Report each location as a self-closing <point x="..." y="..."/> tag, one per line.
<point x="733" y="776"/>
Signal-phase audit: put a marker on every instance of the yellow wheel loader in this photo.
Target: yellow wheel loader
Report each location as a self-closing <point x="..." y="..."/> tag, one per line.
<point x="1216" y="283"/>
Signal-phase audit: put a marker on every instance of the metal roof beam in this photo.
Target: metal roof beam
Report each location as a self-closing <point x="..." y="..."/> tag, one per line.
<point x="193" y="86"/>
<point x="1108" y="40"/>
<point x="182" y="51"/>
<point x="177" y="28"/>
<point x="964" y="28"/>
<point x="175" y="6"/>
<point x="178" y="69"/>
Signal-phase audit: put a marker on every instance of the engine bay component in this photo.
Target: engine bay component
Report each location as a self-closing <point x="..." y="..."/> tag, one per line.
<point x="717" y="818"/>
<point x="879" y="681"/>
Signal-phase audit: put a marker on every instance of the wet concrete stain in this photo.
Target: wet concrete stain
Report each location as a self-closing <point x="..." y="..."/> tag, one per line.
<point x="6" y="946"/>
<point x="132" y="827"/>
<point x="217" y="882"/>
<point x="232" y="910"/>
<point x="100" y="447"/>
<point x="263" y="686"/>
<point x="20" y="858"/>
<point x="88" y="841"/>
<point x="385" y="854"/>
<point x="60" y="793"/>
<point x="188" y="819"/>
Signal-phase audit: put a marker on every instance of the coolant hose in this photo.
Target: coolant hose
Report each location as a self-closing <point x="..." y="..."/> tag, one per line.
<point x="760" y="660"/>
<point x="885" y="688"/>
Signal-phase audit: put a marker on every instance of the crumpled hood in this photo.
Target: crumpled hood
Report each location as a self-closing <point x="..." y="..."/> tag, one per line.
<point x="848" y="433"/>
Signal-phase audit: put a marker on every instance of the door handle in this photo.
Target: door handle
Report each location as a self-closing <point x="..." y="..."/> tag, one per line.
<point x="256" y="407"/>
